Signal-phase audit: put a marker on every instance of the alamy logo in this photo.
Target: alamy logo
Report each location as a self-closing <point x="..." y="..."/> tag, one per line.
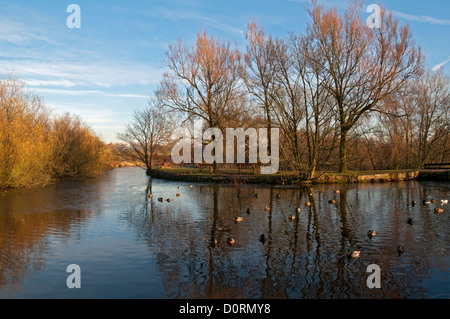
<point x="214" y="151"/>
<point x="374" y="20"/>
<point x="374" y="280"/>
<point x="74" y="20"/>
<point x="74" y="280"/>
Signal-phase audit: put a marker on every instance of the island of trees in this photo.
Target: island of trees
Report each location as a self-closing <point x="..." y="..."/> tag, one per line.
<point x="343" y="95"/>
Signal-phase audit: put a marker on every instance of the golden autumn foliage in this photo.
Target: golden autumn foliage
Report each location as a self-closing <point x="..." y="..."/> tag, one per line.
<point x="76" y="150"/>
<point x="35" y="149"/>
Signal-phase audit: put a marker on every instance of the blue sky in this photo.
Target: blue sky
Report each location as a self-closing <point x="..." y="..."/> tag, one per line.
<point x="113" y="63"/>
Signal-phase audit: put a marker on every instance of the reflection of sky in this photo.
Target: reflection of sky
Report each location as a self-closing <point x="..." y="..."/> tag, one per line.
<point x="189" y="203"/>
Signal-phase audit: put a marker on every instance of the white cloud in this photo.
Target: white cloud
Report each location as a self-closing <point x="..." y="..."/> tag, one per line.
<point x="40" y="83"/>
<point x="96" y="74"/>
<point x="423" y="18"/>
<point x="18" y="33"/>
<point x="90" y="113"/>
<point x="341" y="4"/>
<point x="192" y="15"/>
<point x="54" y="91"/>
<point x="440" y="65"/>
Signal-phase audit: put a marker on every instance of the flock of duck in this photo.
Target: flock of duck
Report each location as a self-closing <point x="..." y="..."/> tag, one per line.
<point x="262" y="238"/>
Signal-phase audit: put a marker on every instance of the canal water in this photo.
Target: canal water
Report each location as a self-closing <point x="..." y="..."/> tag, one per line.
<point x="128" y="245"/>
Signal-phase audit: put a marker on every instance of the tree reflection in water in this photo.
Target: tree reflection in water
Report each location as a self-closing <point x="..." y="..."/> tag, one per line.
<point x="301" y="258"/>
<point x="24" y="240"/>
<point x="131" y="245"/>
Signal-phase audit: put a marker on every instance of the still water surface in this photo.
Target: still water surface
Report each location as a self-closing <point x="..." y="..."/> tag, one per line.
<point x="131" y="246"/>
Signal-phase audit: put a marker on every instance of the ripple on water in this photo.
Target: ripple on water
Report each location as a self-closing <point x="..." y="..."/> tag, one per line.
<point x="130" y="245"/>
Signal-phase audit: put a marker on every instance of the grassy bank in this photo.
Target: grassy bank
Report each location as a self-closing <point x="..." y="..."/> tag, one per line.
<point x="287" y="178"/>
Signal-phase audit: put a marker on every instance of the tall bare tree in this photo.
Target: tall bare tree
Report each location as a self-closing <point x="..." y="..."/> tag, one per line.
<point x="203" y="81"/>
<point x="417" y="124"/>
<point x="260" y="71"/>
<point x="365" y="64"/>
<point x="316" y="101"/>
<point x="431" y="98"/>
<point x="148" y="131"/>
<point x="287" y="100"/>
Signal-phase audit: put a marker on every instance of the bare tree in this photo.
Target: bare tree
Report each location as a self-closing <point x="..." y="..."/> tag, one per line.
<point x="287" y="100"/>
<point x="365" y="64"/>
<point x="260" y="71"/>
<point x="316" y="101"/>
<point x="145" y="135"/>
<point x="431" y="97"/>
<point x="417" y="122"/>
<point x="203" y="81"/>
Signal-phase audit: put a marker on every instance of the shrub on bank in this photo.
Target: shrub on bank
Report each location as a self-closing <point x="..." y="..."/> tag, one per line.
<point x="36" y="149"/>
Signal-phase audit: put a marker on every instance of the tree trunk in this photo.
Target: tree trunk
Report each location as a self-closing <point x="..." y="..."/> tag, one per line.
<point x="269" y="128"/>
<point x="343" y="151"/>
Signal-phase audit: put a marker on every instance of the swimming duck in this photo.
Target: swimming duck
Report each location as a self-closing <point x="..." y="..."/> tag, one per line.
<point x="353" y="253"/>
<point x="409" y="221"/>
<point x="178" y="195"/>
<point x="224" y="228"/>
<point x="160" y="199"/>
<point x="371" y="233"/>
<point x="212" y="241"/>
<point x="190" y="186"/>
<point x="231" y="241"/>
<point x="179" y="187"/>
<point x="169" y="200"/>
<point x="426" y="202"/>
<point x="256" y="195"/>
<point x="337" y="191"/>
<point x="400" y="249"/>
<point x="150" y="195"/>
<point x="298" y="210"/>
<point x="291" y="217"/>
<point x="308" y="204"/>
<point x="248" y="211"/>
<point x="413" y="203"/>
<point x="444" y="201"/>
<point x="438" y="210"/>
<point x="433" y="201"/>
<point x="332" y="201"/>
<point x="267" y="208"/>
<point x="262" y="238"/>
<point x="278" y="195"/>
<point x="238" y="219"/>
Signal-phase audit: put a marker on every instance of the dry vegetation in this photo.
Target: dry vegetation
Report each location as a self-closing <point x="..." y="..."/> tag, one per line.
<point x="36" y="149"/>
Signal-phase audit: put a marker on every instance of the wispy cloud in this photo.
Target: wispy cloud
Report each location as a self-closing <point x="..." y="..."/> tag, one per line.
<point x="177" y="14"/>
<point x="221" y="26"/>
<point x="341" y="4"/>
<point x="54" y="91"/>
<point x="89" y="73"/>
<point x="90" y="115"/>
<point x="440" y="65"/>
<point x="17" y="33"/>
<point x="422" y="18"/>
<point x="47" y="83"/>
